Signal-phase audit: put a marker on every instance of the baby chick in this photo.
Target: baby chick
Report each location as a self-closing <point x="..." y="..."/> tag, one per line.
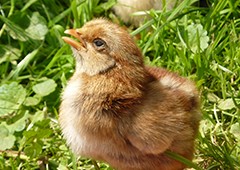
<point x="117" y="110"/>
<point x="125" y="8"/>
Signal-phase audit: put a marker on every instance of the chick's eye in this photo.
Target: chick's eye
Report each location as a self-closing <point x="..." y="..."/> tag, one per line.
<point x="98" y="42"/>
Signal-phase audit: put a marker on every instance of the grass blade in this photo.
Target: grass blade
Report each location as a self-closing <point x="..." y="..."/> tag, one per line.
<point x="23" y="64"/>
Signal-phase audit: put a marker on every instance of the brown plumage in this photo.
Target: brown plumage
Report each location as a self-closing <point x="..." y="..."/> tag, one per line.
<point x="117" y="110"/>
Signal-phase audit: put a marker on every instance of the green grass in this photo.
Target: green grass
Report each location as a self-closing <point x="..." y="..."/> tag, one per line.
<point x="202" y="44"/>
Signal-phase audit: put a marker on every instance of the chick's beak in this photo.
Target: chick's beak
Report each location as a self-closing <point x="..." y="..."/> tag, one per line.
<point x="75" y="44"/>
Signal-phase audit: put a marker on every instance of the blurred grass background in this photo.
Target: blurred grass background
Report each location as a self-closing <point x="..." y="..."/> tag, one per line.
<point x="201" y="43"/>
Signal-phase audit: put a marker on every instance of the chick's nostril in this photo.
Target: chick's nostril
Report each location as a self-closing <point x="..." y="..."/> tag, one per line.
<point x="78" y="31"/>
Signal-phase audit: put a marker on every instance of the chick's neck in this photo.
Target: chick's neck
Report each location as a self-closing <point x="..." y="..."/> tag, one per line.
<point x="116" y="90"/>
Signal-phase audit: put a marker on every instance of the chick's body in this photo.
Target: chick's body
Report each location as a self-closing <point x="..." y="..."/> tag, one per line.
<point x="126" y="8"/>
<point x="117" y="110"/>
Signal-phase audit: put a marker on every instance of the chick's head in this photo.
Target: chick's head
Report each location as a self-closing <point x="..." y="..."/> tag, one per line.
<point x="101" y="46"/>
